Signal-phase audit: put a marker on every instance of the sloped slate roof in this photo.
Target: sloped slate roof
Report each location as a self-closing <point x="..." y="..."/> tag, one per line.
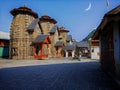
<point x="114" y="11"/>
<point x="69" y="37"/>
<point x="33" y="25"/>
<point x="83" y="44"/>
<point x="53" y="30"/>
<point x="4" y="35"/>
<point x="70" y="47"/>
<point x="108" y="17"/>
<point x="59" y="43"/>
<point x="89" y="35"/>
<point x="40" y="38"/>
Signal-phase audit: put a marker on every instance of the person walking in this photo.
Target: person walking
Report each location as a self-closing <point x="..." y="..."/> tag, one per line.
<point x="79" y="57"/>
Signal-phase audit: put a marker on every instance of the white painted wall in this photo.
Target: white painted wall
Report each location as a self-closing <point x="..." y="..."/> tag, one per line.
<point x="66" y="54"/>
<point x="73" y="53"/>
<point x="95" y="52"/>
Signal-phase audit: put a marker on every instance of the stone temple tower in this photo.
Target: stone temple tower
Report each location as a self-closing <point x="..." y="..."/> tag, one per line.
<point x="24" y="29"/>
<point x="47" y="23"/>
<point x="63" y="34"/>
<point x="49" y="27"/>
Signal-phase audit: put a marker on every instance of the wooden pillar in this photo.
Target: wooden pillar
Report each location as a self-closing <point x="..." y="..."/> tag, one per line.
<point x="42" y="49"/>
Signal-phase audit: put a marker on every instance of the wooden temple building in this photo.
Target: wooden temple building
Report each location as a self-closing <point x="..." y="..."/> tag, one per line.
<point x="33" y="37"/>
<point x="108" y="32"/>
<point x="41" y="45"/>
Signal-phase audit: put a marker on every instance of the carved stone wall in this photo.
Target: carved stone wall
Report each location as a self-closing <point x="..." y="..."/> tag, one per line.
<point x="64" y="37"/>
<point x="46" y="27"/>
<point x="20" y="39"/>
<point x="54" y="39"/>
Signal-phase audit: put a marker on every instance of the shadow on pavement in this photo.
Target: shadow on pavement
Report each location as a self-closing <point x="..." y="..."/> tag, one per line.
<point x="68" y="76"/>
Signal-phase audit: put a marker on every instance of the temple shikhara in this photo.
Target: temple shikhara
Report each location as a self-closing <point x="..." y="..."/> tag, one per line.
<point x="37" y="37"/>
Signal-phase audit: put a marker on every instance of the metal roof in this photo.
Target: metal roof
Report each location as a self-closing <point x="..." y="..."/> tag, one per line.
<point x="69" y="37"/>
<point x="53" y="30"/>
<point x="89" y="35"/>
<point x="59" y="43"/>
<point x="32" y="26"/>
<point x="40" y="38"/>
<point x="83" y="44"/>
<point x="4" y="35"/>
<point x="70" y="47"/>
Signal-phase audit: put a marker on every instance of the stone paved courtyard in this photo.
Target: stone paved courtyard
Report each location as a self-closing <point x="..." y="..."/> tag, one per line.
<point x="63" y="74"/>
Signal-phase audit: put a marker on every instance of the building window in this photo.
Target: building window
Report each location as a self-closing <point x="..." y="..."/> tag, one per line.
<point x="14" y="52"/>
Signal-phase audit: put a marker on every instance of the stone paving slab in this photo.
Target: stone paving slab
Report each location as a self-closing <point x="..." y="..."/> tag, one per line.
<point x="59" y="75"/>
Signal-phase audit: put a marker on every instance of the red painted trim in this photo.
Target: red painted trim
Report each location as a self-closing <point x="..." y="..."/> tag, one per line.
<point x="34" y="50"/>
<point x="41" y="56"/>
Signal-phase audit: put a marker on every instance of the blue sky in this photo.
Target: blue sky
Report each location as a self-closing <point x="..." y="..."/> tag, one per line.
<point x="69" y="13"/>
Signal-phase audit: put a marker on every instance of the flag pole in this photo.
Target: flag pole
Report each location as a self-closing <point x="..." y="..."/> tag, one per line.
<point x="107" y="4"/>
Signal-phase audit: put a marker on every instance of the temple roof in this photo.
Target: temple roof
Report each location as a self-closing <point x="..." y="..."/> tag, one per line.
<point x="48" y="18"/>
<point x="70" y="47"/>
<point x="89" y="35"/>
<point x="62" y="29"/>
<point x="40" y="38"/>
<point x="53" y="30"/>
<point x="59" y="43"/>
<point x="69" y="38"/>
<point x="32" y="26"/>
<point x="83" y="44"/>
<point x="23" y="10"/>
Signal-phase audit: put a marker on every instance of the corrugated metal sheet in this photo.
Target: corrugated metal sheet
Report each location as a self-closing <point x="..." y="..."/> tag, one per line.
<point x="4" y="35"/>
